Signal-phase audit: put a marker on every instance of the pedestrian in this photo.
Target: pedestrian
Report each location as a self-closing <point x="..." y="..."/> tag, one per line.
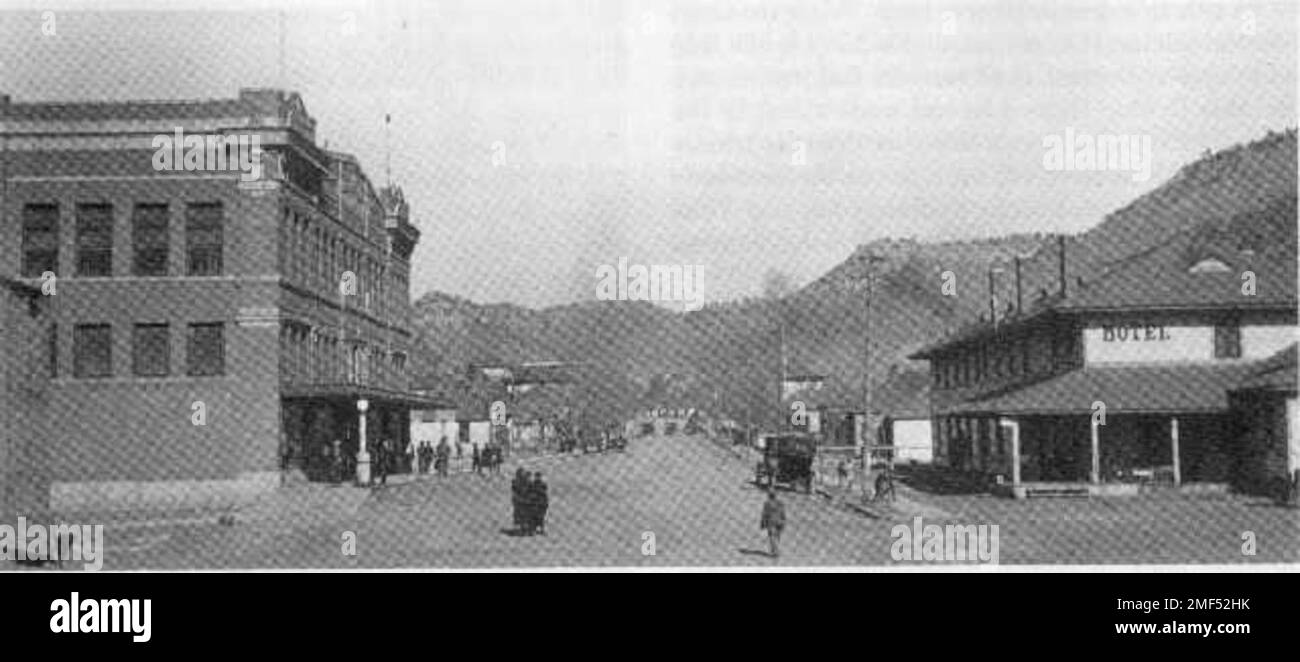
<point x="541" y="502"/>
<point x="381" y="463"/>
<point x="773" y="521"/>
<point x="444" y="454"/>
<point x="885" y="484"/>
<point x="518" y="487"/>
<point x="842" y="472"/>
<point x="327" y="469"/>
<point x="338" y="466"/>
<point x="476" y="458"/>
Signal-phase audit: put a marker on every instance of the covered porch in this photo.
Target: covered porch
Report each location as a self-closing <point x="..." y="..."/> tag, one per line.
<point x="1127" y="454"/>
<point x="1102" y="431"/>
<point x="322" y="421"/>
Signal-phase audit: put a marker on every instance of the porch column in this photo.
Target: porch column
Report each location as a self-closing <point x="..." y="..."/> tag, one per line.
<point x="1173" y="442"/>
<point x="1095" y="475"/>
<point x="1014" y="426"/>
<point x="363" y="455"/>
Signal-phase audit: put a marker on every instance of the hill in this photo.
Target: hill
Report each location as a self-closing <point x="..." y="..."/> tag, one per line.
<point x="729" y="355"/>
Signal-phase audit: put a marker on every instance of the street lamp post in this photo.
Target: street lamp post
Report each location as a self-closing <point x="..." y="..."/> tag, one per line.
<point x="363" y="455"/>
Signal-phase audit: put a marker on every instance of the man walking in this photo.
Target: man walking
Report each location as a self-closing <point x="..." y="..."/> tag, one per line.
<point x="773" y="522"/>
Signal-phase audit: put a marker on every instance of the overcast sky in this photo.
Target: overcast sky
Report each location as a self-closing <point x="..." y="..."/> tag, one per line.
<point x="538" y="140"/>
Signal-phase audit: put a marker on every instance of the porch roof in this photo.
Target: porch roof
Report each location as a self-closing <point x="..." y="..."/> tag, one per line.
<point x="1173" y="389"/>
<point x="353" y="392"/>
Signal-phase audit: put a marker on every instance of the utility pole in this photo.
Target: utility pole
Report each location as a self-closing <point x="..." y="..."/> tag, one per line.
<point x="867" y="427"/>
<point x="780" y="384"/>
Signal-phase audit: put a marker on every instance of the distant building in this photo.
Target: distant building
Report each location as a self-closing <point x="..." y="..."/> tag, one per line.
<point x="829" y="408"/>
<point x="904" y="403"/>
<point x="212" y="332"/>
<point x="1129" y="380"/>
<point x="435" y="420"/>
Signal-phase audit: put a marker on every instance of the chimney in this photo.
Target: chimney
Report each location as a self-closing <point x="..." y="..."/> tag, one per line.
<point x="1060" y="249"/>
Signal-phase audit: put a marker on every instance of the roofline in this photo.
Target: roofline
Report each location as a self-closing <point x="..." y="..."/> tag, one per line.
<point x="1082" y="412"/>
<point x="1065" y="310"/>
<point x="975" y="334"/>
<point x="1292" y="306"/>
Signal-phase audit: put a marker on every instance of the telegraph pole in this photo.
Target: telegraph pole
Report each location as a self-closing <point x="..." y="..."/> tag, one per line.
<point x="867" y="428"/>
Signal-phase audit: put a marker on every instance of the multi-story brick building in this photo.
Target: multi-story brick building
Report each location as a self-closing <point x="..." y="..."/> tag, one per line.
<point x="1129" y="379"/>
<point x="24" y="396"/>
<point x="210" y="329"/>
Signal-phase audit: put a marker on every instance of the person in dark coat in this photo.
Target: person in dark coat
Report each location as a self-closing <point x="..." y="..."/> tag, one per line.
<point x="541" y="501"/>
<point x="381" y="462"/>
<point x="518" y="489"/>
<point x="443" y="454"/>
<point x="773" y="521"/>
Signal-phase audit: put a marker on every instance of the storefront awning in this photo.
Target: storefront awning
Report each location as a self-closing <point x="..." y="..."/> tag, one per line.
<point x="354" y="392"/>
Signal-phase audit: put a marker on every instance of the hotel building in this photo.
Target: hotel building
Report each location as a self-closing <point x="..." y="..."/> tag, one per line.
<point x="1138" y="378"/>
<point x="208" y="334"/>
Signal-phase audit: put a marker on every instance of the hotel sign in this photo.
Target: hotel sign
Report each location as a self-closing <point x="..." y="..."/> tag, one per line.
<point x="1141" y="342"/>
<point x="1134" y="333"/>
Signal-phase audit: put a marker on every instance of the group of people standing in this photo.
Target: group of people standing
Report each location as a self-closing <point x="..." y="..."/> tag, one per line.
<point x="338" y="464"/>
<point x="428" y="456"/>
<point x="489" y="458"/>
<point x="529" y="495"/>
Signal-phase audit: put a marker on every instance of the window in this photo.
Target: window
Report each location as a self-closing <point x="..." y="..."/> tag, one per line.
<point x="151" y="350"/>
<point x="1064" y="348"/>
<point x="40" y="240"/>
<point x="206" y="351"/>
<point x="94" y="240"/>
<point x="1227" y="341"/>
<point x="149" y="240"/>
<point x="92" y="350"/>
<point x="203" y="239"/>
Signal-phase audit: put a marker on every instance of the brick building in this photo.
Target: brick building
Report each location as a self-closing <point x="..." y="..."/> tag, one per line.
<point x="214" y="326"/>
<point x="1137" y="376"/>
<point x="24" y="396"/>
